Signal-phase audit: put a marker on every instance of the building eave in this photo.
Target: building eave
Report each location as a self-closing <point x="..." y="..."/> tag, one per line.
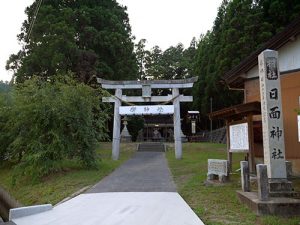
<point x="237" y="111"/>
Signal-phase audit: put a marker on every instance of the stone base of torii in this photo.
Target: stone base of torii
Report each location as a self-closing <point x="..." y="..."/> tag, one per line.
<point x="160" y="109"/>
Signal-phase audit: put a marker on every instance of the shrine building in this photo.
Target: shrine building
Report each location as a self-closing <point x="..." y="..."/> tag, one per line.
<point x="245" y="77"/>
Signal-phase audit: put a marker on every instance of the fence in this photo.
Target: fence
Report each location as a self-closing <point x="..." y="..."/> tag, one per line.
<point x="216" y="136"/>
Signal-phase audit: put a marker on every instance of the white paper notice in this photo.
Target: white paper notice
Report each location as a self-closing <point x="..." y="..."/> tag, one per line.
<point x="239" y="139"/>
<point x="299" y="128"/>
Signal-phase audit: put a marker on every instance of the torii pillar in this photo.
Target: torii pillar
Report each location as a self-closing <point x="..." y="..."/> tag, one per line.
<point x="177" y="124"/>
<point x="117" y="125"/>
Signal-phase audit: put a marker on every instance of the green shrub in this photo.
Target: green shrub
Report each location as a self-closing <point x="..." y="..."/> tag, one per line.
<point x="53" y="120"/>
<point x="5" y="111"/>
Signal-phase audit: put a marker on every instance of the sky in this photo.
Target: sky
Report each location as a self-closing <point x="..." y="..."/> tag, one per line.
<point x="161" y="22"/>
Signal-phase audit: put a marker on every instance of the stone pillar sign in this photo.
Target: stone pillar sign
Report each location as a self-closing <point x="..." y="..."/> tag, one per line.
<point x="272" y="118"/>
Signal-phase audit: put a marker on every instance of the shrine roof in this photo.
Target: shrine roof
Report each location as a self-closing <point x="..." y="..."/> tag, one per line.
<point x="237" y="111"/>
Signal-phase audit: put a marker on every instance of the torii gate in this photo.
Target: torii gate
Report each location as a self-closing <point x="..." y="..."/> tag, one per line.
<point x="146" y="86"/>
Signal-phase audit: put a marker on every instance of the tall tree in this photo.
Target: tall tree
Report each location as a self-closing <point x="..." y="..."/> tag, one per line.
<point x="279" y="13"/>
<point x="91" y="38"/>
<point x="141" y="55"/>
<point x="153" y="63"/>
<point x="241" y="26"/>
<point x="173" y="63"/>
<point x="189" y="56"/>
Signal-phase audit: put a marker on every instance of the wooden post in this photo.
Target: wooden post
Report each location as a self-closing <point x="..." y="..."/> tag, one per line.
<point x="117" y="126"/>
<point x="245" y="176"/>
<point x="177" y="124"/>
<point x="262" y="182"/>
<point x="251" y="144"/>
<point x="229" y="154"/>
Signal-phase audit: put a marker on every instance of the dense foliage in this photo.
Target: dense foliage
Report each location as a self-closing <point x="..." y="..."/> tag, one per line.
<point x="43" y="123"/>
<point x="90" y="38"/>
<point x="241" y="26"/>
<point x="173" y="63"/>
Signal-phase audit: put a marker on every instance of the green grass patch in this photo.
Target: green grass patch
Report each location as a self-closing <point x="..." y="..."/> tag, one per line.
<point x="54" y="188"/>
<point x="214" y="204"/>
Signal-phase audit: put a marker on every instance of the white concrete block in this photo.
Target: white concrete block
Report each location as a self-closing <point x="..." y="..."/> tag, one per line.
<point x="122" y="208"/>
<point x="27" y="211"/>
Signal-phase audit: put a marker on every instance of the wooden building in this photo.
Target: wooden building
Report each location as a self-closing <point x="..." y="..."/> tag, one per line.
<point x="157" y="128"/>
<point x="244" y="77"/>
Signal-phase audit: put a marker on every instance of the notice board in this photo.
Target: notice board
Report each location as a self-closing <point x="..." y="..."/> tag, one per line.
<point x="239" y="139"/>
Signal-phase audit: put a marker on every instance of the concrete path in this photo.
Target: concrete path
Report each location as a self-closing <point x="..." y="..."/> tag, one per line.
<point x="121" y="208"/>
<point x="139" y="192"/>
<point x="145" y="172"/>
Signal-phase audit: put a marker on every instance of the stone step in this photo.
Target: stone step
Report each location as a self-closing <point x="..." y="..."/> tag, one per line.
<point x="152" y="143"/>
<point x="281" y="186"/>
<point x="151" y="147"/>
<point x="151" y="150"/>
<point x="287" y="194"/>
<point x="274" y="206"/>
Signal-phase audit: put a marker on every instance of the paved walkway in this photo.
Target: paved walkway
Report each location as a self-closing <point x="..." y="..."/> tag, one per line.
<point x="118" y="208"/>
<point x="145" y="172"/>
<point x="140" y="192"/>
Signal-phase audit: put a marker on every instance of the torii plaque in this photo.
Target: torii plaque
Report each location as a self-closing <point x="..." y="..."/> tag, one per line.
<point x="146" y="86"/>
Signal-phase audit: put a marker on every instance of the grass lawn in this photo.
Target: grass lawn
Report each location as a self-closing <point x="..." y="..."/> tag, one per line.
<point x="215" y="205"/>
<point x="56" y="187"/>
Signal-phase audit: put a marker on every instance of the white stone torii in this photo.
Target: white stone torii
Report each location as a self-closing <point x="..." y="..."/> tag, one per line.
<point x="146" y="86"/>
